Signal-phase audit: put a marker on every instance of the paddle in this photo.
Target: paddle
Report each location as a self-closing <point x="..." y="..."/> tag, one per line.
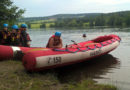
<point x="75" y="43"/>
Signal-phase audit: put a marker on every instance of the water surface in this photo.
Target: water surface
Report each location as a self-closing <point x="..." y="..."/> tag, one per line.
<point x="113" y="68"/>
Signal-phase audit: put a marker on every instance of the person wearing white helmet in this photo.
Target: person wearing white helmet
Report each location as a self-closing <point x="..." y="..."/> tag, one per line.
<point x="55" y="41"/>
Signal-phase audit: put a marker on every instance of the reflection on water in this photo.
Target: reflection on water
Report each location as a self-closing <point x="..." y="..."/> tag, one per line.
<point x="89" y="69"/>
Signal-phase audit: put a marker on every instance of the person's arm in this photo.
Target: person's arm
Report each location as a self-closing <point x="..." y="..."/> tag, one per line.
<point x="28" y="40"/>
<point x="28" y="37"/>
<point x="50" y="44"/>
<point x="61" y="44"/>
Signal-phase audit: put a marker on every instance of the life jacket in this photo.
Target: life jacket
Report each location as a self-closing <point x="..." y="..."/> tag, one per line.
<point x="15" y="39"/>
<point x="5" y="37"/>
<point x="5" y="34"/>
<point x="56" y="41"/>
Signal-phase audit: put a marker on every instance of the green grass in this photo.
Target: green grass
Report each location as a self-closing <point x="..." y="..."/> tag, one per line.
<point x="89" y="84"/>
<point x="48" y="25"/>
<point x="13" y="76"/>
<point x="86" y="24"/>
<point x="43" y="21"/>
<point x="36" y="25"/>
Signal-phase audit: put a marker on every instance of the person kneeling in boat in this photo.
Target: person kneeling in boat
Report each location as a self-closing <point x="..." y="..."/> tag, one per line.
<point x="15" y="36"/>
<point x="55" y="41"/>
<point x="4" y="35"/>
<point x="25" y="36"/>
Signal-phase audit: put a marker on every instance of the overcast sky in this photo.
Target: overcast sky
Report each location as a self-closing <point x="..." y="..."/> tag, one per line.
<point x="35" y="8"/>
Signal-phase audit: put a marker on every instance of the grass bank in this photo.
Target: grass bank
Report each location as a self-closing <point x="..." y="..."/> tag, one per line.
<point x="13" y="76"/>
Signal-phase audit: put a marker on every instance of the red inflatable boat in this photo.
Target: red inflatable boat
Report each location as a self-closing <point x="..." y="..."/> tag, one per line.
<point x="50" y="58"/>
<point x="10" y="52"/>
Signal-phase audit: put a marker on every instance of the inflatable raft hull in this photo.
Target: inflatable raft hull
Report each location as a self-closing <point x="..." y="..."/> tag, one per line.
<point x="40" y="60"/>
<point x="11" y="52"/>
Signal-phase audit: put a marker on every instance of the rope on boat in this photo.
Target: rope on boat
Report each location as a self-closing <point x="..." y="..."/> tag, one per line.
<point x="92" y="48"/>
<point x="119" y="40"/>
<point x="72" y="51"/>
<point x="99" y="47"/>
<point x="83" y="50"/>
<point x="59" y="50"/>
<point x="78" y="49"/>
<point x="87" y="48"/>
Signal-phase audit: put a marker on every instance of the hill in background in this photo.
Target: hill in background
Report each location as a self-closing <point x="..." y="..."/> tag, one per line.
<point x="59" y="16"/>
<point x="116" y="19"/>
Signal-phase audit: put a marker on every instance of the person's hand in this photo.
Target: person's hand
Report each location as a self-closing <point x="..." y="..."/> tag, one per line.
<point x="29" y="43"/>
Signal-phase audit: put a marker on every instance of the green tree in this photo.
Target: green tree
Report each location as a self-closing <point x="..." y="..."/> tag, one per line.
<point x="72" y="23"/>
<point x="43" y="25"/>
<point x="127" y="20"/>
<point x="9" y="13"/>
<point x="111" y="21"/>
<point x="118" y="21"/>
<point x="100" y="21"/>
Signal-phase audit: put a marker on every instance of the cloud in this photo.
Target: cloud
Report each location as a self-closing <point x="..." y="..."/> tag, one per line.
<point x="106" y="2"/>
<point x="51" y="7"/>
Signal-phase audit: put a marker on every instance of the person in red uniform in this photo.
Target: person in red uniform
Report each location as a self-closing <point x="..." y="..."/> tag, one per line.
<point x="25" y="38"/>
<point x="15" y="36"/>
<point x="55" y="41"/>
<point x="4" y="35"/>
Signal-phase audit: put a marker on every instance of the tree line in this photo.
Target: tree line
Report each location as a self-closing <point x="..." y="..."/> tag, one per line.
<point x="118" y="19"/>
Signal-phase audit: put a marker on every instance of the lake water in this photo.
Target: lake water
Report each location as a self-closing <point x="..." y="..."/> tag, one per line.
<point x="113" y="68"/>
